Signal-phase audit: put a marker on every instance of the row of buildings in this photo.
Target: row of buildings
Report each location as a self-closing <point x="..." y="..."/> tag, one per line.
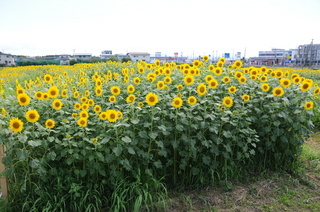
<point x="305" y="55"/>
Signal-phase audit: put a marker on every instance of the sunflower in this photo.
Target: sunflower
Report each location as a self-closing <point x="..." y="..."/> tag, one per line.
<point x="90" y="102"/>
<point x="160" y="85"/>
<point x="263" y="78"/>
<point x="285" y="82"/>
<point x="23" y="99"/>
<point x="87" y="93"/>
<point x="296" y="80"/>
<point x="112" y="99"/>
<point x="16" y="125"/>
<point x="131" y="98"/>
<point x="3" y="112"/>
<point x="82" y="122"/>
<point x="45" y="96"/>
<point x="50" y="123"/>
<point x="103" y="115"/>
<point x="205" y="58"/>
<point x="97" y="109"/>
<point x="245" y="97"/>
<point x="152" y="99"/>
<point x="237" y="64"/>
<point x="265" y="87"/>
<point x="308" y="105"/>
<point x="232" y="89"/>
<point x="38" y="95"/>
<point x="20" y="90"/>
<point x="192" y="100"/>
<point x="167" y="80"/>
<point x="119" y="115"/>
<point x="202" y="89"/>
<point x="77" y="106"/>
<point x="84" y="114"/>
<point x="227" y="101"/>
<point x="57" y="104"/>
<point x="243" y="80"/>
<point x="293" y="76"/>
<point x="278" y="91"/>
<point x="188" y="80"/>
<point x="238" y="74"/>
<point x="213" y="84"/>
<point x="196" y="63"/>
<point x="98" y="83"/>
<point x="141" y="70"/>
<point x="226" y="79"/>
<point x="130" y="89"/>
<point x="112" y="115"/>
<point x="64" y="93"/>
<point x="115" y="90"/>
<point x="305" y="86"/>
<point x="84" y="106"/>
<point x="208" y="78"/>
<point x="136" y="80"/>
<point x="316" y="91"/>
<point x="217" y="71"/>
<point x="53" y="92"/>
<point x="94" y="140"/>
<point x="177" y="102"/>
<point x="179" y="87"/>
<point x="48" y="78"/>
<point x="167" y="72"/>
<point x="32" y="115"/>
<point x="83" y="99"/>
<point x="140" y="104"/>
<point x="98" y="91"/>
<point x="76" y="94"/>
<point x="222" y="60"/>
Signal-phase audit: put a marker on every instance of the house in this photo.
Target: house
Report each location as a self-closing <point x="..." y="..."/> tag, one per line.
<point x="137" y="56"/>
<point x="82" y="56"/>
<point x="64" y="59"/>
<point x="7" y="59"/>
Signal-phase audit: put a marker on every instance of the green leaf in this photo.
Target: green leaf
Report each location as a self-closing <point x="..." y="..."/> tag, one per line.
<point x="143" y="134"/>
<point x="134" y="121"/>
<point x="153" y="135"/>
<point x="69" y="161"/>
<point x="160" y="144"/>
<point x="83" y="173"/>
<point x="126" y="139"/>
<point x="51" y="155"/>
<point x="179" y="127"/>
<point x="206" y="160"/>
<point x="157" y="164"/>
<point x="22" y="154"/>
<point x="35" y="163"/>
<point x="100" y="156"/>
<point x="117" y="150"/>
<point x="35" y="143"/>
<point x="227" y="134"/>
<point x="276" y="123"/>
<point x="131" y="151"/>
<point x="126" y="164"/>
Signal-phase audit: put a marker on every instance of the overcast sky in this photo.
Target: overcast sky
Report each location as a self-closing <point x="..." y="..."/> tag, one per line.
<point x="189" y="27"/>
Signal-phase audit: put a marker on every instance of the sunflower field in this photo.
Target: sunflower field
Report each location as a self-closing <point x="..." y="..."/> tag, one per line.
<point x="114" y="136"/>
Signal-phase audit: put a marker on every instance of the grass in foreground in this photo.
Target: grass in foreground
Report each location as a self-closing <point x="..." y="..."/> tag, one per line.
<point x="267" y="192"/>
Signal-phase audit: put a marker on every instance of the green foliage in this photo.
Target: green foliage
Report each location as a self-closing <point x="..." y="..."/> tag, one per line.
<point x="123" y="165"/>
<point x="38" y="62"/>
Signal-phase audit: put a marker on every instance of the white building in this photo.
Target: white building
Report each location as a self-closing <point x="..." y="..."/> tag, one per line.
<point x="83" y="56"/>
<point x="137" y="56"/>
<point x="7" y="59"/>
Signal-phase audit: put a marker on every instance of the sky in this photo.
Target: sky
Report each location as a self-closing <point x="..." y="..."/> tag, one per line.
<point x="190" y="27"/>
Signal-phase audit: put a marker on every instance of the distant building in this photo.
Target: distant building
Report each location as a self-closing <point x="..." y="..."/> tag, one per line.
<point x="83" y="56"/>
<point x="274" y="57"/>
<point x="64" y="59"/>
<point x="308" y="55"/>
<point x="106" y="54"/>
<point x="7" y="59"/>
<point x="137" y="56"/>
